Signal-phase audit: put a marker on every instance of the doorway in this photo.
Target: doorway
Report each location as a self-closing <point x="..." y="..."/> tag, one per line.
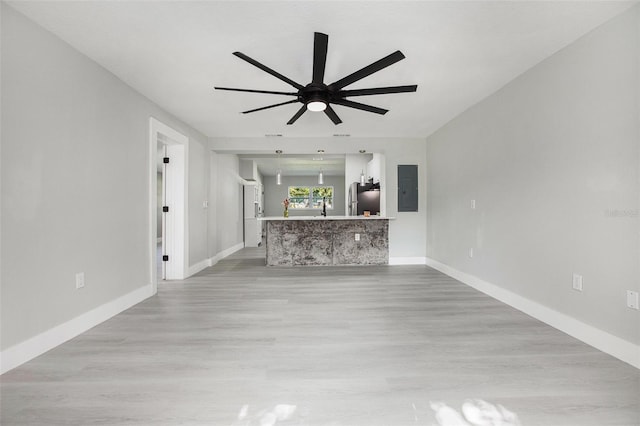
<point x="168" y="212"/>
<point x="161" y="202"/>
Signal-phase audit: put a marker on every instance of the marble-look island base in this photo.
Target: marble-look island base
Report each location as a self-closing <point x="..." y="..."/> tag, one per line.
<point x="327" y="241"/>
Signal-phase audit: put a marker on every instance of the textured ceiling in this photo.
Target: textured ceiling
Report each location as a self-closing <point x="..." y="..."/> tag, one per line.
<point x="457" y="53"/>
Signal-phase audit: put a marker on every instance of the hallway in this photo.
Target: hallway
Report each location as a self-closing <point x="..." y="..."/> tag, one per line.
<point x="383" y="345"/>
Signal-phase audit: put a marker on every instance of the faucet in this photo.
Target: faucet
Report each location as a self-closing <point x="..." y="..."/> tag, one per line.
<point x="324" y="207"/>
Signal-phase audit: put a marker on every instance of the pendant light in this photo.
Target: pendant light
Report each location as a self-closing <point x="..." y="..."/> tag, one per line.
<point x="320" y="175"/>
<point x="279" y="171"/>
<point x="362" y="178"/>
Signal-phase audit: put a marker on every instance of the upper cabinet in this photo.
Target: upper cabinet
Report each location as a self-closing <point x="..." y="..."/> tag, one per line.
<point x="375" y="167"/>
<point x="249" y="170"/>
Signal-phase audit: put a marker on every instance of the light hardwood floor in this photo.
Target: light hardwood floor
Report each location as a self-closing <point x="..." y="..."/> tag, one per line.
<point x="242" y="344"/>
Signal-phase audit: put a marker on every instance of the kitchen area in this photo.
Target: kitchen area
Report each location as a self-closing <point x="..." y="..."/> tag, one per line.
<point x="347" y="225"/>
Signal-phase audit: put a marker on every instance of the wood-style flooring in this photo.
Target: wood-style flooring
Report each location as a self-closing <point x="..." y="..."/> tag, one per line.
<point x="245" y="344"/>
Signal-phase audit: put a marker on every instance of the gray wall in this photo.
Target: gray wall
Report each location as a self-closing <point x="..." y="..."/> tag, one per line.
<point x="275" y="194"/>
<point x="198" y="184"/>
<point x="552" y="160"/>
<point x="76" y="182"/>
<point x="227" y="202"/>
<point x="408" y="231"/>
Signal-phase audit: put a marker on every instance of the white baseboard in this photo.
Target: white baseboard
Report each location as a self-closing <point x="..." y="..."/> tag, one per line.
<point x="407" y="260"/>
<point x="194" y="269"/>
<point x="25" y="351"/>
<point x="601" y="340"/>
<point x="225" y="253"/>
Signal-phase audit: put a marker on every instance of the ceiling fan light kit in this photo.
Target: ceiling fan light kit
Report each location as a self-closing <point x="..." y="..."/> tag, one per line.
<point x="317" y="96"/>
<point x="316" y="106"/>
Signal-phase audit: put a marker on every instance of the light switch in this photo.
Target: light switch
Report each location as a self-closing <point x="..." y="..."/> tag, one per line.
<point x="577" y="282"/>
<point x="632" y="299"/>
<point x="80" y="280"/>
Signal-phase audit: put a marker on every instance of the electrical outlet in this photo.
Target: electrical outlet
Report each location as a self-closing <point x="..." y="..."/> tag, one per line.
<point x="80" y="280"/>
<point x="632" y="299"/>
<point x="357" y="237"/>
<point x="577" y="282"/>
<point x="471" y="252"/>
<point x="473" y="204"/>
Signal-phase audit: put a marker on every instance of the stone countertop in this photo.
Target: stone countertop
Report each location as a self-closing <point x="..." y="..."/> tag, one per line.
<point x="376" y="217"/>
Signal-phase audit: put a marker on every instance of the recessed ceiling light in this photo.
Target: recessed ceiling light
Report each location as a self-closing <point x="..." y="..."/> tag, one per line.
<point x="362" y="151"/>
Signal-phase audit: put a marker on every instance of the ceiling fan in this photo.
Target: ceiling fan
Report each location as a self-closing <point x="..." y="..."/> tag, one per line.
<point x="317" y="96"/>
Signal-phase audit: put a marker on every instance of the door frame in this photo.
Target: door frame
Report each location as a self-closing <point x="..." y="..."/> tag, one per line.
<point x="176" y="184"/>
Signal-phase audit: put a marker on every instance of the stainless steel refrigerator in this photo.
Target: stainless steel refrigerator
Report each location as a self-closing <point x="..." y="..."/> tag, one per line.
<point x="363" y="198"/>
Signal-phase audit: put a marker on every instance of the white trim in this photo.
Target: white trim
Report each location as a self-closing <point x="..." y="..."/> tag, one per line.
<point x="194" y="269"/>
<point x="599" y="339"/>
<point x="407" y="261"/>
<point x="178" y="227"/>
<point x="206" y="263"/>
<point x="224" y="253"/>
<point x="25" y="351"/>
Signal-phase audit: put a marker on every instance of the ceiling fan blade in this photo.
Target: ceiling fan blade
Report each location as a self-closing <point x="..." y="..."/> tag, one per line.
<point x="270" y="106"/>
<point x="368" y="70"/>
<point x="297" y="114"/>
<point x="268" y="70"/>
<point x="378" y="91"/>
<point x="332" y="115"/>
<point x="357" y="105"/>
<point x="257" y="91"/>
<point x="320" y="44"/>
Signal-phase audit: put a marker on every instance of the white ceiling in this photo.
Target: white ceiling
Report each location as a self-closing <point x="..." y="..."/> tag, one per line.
<point x="457" y="52"/>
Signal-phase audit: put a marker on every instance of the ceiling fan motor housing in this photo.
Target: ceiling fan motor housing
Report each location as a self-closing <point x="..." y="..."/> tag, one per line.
<point x="315" y="93"/>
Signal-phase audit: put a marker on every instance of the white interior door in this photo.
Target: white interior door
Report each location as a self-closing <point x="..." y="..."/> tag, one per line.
<point x="174" y="201"/>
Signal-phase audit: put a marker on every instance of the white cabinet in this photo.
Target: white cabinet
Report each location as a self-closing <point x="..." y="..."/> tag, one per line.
<point x="252" y="232"/>
<point x="249" y="170"/>
<point x="252" y="201"/>
<point x="374" y="167"/>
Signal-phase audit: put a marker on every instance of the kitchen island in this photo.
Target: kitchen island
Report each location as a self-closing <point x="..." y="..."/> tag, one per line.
<point x="332" y="240"/>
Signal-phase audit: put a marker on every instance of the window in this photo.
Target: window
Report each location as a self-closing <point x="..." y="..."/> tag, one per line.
<point x="310" y="197"/>
<point x="298" y="197"/>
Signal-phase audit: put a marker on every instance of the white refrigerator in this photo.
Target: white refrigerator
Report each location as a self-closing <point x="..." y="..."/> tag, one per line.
<point x="252" y="211"/>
